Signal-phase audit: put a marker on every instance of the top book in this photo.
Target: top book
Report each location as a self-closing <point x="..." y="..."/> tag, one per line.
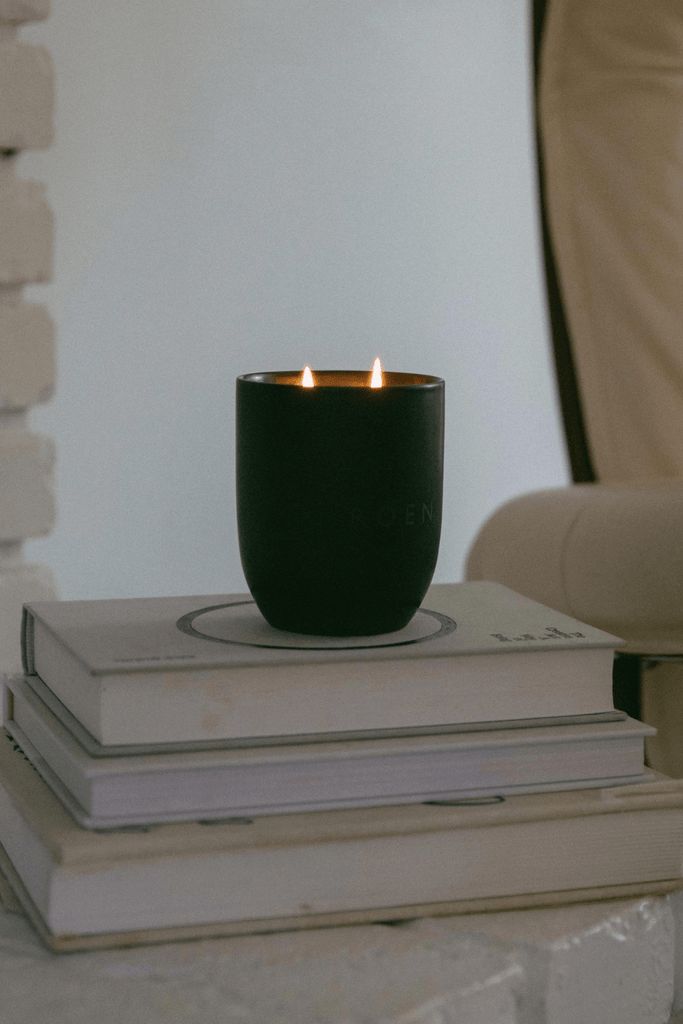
<point x="147" y="671"/>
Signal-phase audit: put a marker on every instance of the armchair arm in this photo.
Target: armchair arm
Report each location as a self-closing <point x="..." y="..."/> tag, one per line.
<point x="609" y="554"/>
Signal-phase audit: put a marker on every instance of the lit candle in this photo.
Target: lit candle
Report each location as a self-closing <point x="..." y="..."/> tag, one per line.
<point x="339" y="489"/>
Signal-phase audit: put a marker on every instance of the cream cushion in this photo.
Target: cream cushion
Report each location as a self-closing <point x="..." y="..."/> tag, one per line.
<point x="608" y="554"/>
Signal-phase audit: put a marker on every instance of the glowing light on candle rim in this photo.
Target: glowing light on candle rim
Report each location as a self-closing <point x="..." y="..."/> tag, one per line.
<point x="307" y="378"/>
<point x="376" y="379"/>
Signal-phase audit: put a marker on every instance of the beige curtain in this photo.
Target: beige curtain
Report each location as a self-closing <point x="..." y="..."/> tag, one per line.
<point x="611" y="119"/>
<point x="611" y="127"/>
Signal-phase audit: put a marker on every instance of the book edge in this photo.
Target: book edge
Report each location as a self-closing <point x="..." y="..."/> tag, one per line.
<point x="491" y="795"/>
<point x="508" y="735"/>
<point x="57" y="830"/>
<point x="60" y="943"/>
<point x="100" y="750"/>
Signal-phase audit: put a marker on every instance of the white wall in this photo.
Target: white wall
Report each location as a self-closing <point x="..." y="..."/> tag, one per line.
<point x="262" y="183"/>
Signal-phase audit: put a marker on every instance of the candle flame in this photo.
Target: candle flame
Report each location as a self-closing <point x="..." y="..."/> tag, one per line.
<point x="307" y="380"/>
<point x="376" y="379"/>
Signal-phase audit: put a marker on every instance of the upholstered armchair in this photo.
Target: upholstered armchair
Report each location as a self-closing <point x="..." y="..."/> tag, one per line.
<point x="609" y="548"/>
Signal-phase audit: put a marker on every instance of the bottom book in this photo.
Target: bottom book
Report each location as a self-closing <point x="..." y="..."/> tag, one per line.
<point x="84" y="888"/>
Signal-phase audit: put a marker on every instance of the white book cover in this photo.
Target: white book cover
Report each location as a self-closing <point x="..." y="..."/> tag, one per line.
<point x="306" y="870"/>
<point x="154" y="670"/>
<point x="142" y="789"/>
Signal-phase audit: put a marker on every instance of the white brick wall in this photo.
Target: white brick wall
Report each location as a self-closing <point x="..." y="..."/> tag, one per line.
<point x="27" y="361"/>
<point x="25" y="233"/>
<point x="13" y="11"/>
<point x="26" y="499"/>
<point x="26" y="88"/>
<point x="27" y="365"/>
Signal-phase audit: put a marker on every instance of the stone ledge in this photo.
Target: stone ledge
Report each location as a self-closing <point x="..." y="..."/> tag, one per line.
<point x="610" y="962"/>
<point x="585" y="964"/>
<point x="349" y="975"/>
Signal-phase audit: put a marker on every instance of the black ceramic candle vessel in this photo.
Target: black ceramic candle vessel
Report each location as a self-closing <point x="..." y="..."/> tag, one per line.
<point x="339" y="490"/>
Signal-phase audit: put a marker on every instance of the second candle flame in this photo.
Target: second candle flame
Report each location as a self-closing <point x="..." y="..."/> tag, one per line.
<point x="307" y="378"/>
<point x="376" y="379"/>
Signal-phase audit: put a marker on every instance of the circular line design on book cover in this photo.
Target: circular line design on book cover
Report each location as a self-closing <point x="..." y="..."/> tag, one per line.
<point x="246" y="627"/>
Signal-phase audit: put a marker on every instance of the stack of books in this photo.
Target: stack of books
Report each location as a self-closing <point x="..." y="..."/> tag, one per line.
<point x="174" y="767"/>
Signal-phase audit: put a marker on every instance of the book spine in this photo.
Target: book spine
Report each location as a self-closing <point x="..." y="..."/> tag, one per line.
<point x="27" y="650"/>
